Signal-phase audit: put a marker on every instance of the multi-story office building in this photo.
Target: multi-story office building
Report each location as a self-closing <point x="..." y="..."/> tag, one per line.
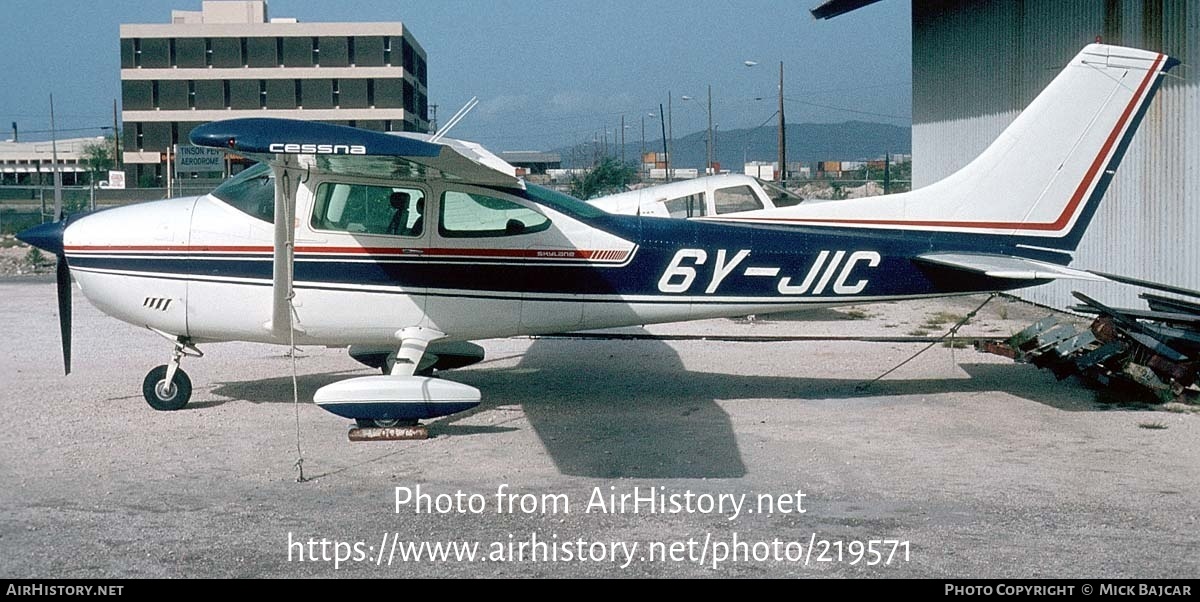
<point x="229" y="60"/>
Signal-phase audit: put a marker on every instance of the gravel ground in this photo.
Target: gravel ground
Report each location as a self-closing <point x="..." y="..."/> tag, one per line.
<point x="989" y="469"/>
<point x="15" y="259"/>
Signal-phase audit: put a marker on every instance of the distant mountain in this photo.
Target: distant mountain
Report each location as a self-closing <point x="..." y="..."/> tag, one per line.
<point x="807" y="142"/>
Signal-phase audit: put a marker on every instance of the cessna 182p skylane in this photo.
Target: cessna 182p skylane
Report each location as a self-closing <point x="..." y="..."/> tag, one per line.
<point x="405" y="247"/>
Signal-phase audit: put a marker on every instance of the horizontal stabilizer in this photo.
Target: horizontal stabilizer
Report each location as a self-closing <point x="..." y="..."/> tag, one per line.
<point x="1005" y="266"/>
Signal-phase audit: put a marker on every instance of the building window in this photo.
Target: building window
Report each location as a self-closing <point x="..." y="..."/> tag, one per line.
<point x="316" y="94"/>
<point x="387" y="125"/>
<point x="371" y="93"/>
<point x="279" y="50"/>
<point x="171" y="52"/>
<point x="210" y="94"/>
<point x="137" y="52"/>
<point x="138" y="136"/>
<point x="225" y="93"/>
<point x="245" y="54"/>
<point x="299" y="96"/>
<point x="350" y="50"/>
<point x="316" y="51"/>
<point x="208" y="52"/>
<point x="227" y="53"/>
<point x="407" y="55"/>
<point x="244" y="94"/>
<point x="387" y="51"/>
<point x="191" y="100"/>
<point x="262" y="93"/>
<point x="154" y="94"/>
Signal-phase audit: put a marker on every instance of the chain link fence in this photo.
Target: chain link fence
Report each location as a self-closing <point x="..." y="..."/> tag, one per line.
<point x="24" y="206"/>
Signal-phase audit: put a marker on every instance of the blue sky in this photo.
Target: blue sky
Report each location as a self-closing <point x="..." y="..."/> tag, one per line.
<point x="547" y="73"/>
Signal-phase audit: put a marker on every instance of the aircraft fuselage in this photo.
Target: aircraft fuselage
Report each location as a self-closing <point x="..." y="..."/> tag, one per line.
<point x="200" y="268"/>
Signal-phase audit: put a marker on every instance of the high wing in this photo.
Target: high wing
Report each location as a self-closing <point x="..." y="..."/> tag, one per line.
<point x="352" y="151"/>
<point x="296" y="148"/>
<point x="1005" y="266"/>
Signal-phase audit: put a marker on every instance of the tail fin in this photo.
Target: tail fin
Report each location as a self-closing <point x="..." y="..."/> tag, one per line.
<point x="1044" y="176"/>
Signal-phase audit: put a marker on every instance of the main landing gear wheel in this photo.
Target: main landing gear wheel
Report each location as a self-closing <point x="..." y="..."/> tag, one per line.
<point x="383" y="423"/>
<point x="167" y="396"/>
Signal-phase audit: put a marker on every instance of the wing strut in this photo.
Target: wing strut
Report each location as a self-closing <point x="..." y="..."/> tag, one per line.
<point x="287" y="172"/>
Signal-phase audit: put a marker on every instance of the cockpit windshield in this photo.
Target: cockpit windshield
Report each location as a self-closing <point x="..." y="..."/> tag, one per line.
<point x="781" y="197"/>
<point x="251" y="192"/>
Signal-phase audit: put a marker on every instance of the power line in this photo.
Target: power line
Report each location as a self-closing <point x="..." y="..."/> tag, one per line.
<point x="833" y="108"/>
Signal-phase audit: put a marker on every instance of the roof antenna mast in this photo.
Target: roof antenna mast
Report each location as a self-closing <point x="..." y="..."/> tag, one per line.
<point x="453" y="121"/>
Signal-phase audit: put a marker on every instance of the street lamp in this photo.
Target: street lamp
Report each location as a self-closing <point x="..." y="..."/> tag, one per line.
<point x="709" y="162"/>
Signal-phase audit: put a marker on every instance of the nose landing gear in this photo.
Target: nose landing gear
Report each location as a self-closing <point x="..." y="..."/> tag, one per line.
<point x="167" y="388"/>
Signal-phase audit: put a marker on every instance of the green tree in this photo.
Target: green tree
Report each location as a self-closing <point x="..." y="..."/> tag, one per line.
<point x="607" y="176"/>
<point x="100" y="156"/>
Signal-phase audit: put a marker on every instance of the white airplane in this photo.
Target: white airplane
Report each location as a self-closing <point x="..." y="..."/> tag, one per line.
<point x="405" y="248"/>
<point x="723" y="194"/>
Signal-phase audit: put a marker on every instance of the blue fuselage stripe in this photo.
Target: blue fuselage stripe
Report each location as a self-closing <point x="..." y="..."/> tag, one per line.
<point x="791" y="252"/>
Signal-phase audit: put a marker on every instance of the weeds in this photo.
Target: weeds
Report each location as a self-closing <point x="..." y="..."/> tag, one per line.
<point x="941" y="319"/>
<point x="34" y="257"/>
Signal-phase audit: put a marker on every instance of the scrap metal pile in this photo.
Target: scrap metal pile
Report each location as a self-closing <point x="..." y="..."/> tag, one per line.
<point x="1154" y="351"/>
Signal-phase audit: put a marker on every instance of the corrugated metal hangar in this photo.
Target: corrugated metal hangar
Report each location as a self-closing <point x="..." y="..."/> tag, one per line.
<point x="978" y="63"/>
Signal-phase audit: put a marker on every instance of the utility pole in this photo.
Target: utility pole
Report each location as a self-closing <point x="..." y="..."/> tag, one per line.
<point x="117" y="159"/>
<point x="58" y="208"/>
<point x="666" y="151"/>
<point x="622" y="141"/>
<point x="709" y="165"/>
<point x="887" y="173"/>
<point x="642" y="157"/>
<point x="671" y="133"/>
<point x="782" y="132"/>
<point x="433" y="119"/>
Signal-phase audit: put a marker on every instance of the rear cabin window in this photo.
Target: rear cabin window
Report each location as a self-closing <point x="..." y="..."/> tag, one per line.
<point x="365" y="209"/>
<point x="687" y="206"/>
<point x="734" y="199"/>
<point x="252" y="192"/>
<point x="472" y="215"/>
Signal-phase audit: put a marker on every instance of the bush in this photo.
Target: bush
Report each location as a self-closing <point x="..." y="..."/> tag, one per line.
<point x="34" y="257"/>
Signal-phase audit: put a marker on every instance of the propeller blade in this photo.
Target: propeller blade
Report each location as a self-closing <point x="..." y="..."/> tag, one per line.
<point x="63" y="276"/>
<point x="49" y="237"/>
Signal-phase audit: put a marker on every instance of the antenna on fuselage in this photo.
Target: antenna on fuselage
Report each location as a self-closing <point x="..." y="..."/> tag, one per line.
<point x="453" y="121"/>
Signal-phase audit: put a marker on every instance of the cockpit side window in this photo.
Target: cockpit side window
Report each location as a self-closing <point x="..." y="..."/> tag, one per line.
<point x="734" y="199"/>
<point x="687" y="206"/>
<point x="251" y="192"/>
<point x="365" y="209"/>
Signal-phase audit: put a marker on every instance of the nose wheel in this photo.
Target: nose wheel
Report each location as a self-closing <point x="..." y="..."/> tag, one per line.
<point x="167" y="388"/>
<point x="167" y="395"/>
